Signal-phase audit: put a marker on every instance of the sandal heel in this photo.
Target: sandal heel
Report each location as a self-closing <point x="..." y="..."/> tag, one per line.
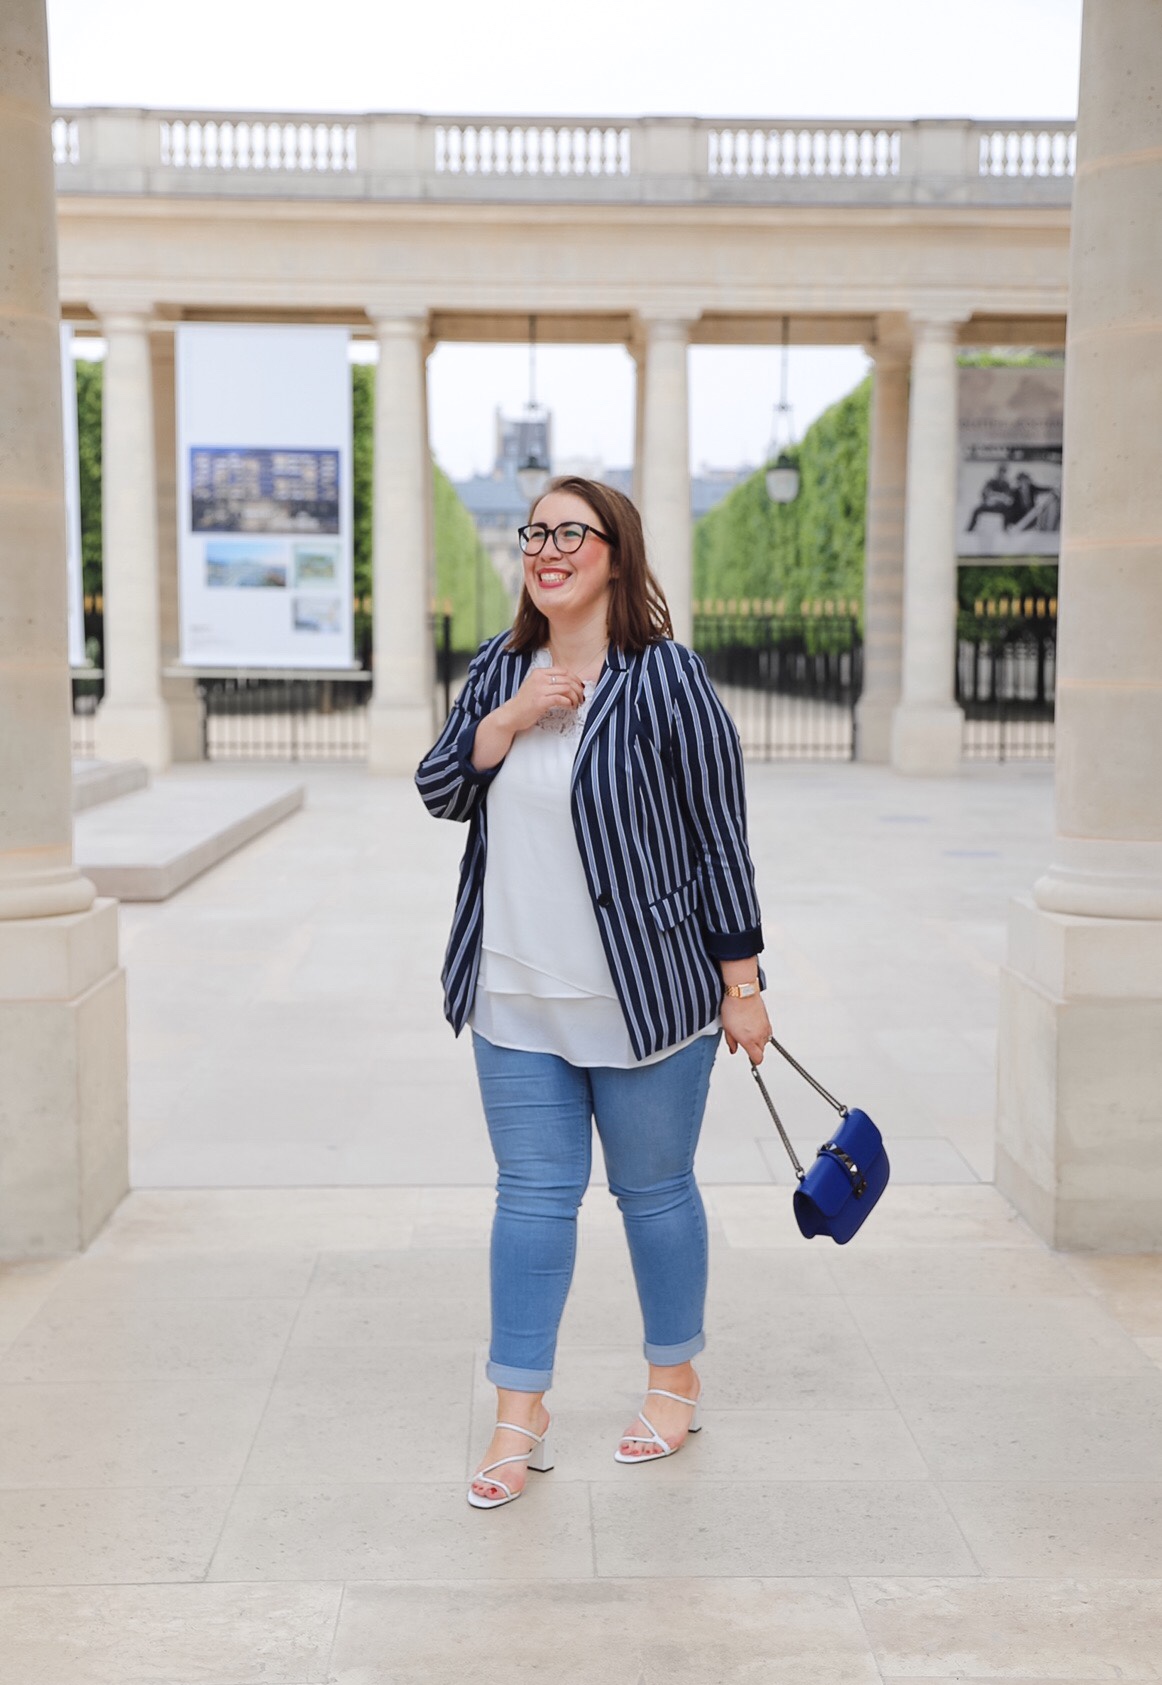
<point x="542" y="1458"/>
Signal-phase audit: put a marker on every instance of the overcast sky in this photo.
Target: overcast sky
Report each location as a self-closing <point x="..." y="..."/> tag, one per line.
<point x="733" y="58"/>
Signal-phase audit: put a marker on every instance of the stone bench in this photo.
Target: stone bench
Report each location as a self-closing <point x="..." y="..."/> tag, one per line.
<point x="148" y="845"/>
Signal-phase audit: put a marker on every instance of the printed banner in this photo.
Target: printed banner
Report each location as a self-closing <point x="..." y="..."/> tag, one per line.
<point x="76" y="586"/>
<point x="264" y="496"/>
<point x="1009" y="481"/>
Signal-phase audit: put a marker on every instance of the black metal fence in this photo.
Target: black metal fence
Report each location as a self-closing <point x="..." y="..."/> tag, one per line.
<point x="296" y="716"/>
<point x="284" y="716"/>
<point x="1006" y="670"/>
<point x="88" y="692"/>
<point x="790" y="681"/>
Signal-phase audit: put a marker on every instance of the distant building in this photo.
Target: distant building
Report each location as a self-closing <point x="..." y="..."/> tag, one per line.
<point x="496" y="505"/>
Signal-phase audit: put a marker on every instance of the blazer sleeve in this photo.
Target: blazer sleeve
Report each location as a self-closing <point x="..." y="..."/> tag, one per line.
<point x="449" y="785"/>
<point x="708" y="773"/>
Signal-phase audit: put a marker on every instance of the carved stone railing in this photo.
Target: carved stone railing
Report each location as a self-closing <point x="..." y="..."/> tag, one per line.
<point x="513" y="149"/>
<point x="256" y="144"/>
<point x="673" y="160"/>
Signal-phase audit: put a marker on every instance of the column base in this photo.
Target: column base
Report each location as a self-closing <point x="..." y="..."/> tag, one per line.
<point x="873" y="729"/>
<point x="134" y="734"/>
<point x="64" y="1136"/>
<point x="927" y="739"/>
<point x="1079" y="1147"/>
<point x="184" y="708"/>
<point x="399" y="735"/>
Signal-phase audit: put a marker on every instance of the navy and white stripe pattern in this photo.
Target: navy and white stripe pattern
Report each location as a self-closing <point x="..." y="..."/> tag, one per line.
<point x="659" y="812"/>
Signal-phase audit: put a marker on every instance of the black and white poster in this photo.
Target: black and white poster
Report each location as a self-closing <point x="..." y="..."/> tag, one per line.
<point x="1009" y="479"/>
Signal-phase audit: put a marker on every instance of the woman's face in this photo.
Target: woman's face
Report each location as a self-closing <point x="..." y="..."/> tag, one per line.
<point x="571" y="584"/>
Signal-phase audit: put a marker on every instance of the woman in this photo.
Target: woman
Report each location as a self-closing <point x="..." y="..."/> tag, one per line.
<point x="606" y="932"/>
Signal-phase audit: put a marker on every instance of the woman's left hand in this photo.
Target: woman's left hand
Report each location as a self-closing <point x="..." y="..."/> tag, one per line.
<point x="745" y="1024"/>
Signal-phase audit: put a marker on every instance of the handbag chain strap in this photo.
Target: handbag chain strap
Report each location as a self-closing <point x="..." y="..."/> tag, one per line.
<point x="776" y="1119"/>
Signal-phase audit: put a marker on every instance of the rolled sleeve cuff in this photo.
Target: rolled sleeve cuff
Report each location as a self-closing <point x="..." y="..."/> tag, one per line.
<point x="465" y="744"/>
<point x="730" y="946"/>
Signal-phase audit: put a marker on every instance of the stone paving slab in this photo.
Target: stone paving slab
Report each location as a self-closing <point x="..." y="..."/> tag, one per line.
<point x="235" y="1436"/>
<point x="884" y="904"/>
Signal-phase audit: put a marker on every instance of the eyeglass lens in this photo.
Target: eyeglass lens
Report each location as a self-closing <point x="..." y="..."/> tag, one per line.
<point x="569" y="536"/>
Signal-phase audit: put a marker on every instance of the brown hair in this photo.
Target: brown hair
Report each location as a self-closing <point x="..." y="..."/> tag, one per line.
<point x="638" y="614"/>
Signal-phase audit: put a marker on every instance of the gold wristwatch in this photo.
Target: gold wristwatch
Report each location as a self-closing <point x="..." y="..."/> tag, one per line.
<point x="742" y="991"/>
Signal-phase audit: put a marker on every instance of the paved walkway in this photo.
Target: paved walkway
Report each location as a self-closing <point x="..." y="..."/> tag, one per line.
<point x="234" y="1435"/>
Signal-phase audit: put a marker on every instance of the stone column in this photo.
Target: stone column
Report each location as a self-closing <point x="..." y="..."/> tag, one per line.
<point x="665" y="464"/>
<point x="63" y="1104"/>
<point x="1079" y="1129"/>
<point x="883" y="630"/>
<point x="429" y="481"/>
<point x="637" y="352"/>
<point x="401" y="721"/>
<point x="132" y="722"/>
<point x="927" y="725"/>
<point x="179" y="693"/>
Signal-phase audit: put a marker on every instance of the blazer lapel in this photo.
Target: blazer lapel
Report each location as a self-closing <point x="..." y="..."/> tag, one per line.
<point x="610" y="687"/>
<point x="513" y="671"/>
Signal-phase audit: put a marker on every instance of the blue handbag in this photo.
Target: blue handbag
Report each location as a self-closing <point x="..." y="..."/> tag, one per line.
<point x="850" y="1171"/>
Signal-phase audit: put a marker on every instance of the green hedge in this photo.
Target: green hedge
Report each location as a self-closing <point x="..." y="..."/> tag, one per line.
<point x="748" y="546"/>
<point x="462" y="565"/>
<point x="89" y="387"/>
<point x="814" y="547"/>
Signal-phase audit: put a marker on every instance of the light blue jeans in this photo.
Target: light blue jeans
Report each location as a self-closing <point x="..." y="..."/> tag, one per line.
<point x="540" y="1112"/>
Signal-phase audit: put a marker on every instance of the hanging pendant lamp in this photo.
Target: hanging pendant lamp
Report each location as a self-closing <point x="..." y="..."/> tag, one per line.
<point x="782" y="475"/>
<point x="532" y="472"/>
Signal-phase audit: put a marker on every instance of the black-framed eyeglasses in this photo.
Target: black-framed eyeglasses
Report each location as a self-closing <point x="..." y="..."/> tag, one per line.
<point x="567" y="537"/>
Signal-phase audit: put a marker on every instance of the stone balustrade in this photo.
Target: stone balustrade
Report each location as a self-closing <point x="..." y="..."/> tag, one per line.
<point x="678" y="160"/>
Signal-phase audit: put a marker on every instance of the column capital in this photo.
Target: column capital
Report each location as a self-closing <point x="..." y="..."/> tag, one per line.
<point x="891" y="344"/>
<point x="936" y="323"/>
<point x="674" y="326"/>
<point x="124" y="315"/>
<point x="400" y="324"/>
<point x="888" y="354"/>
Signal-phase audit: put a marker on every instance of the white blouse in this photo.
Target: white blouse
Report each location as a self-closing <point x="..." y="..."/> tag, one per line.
<point x="544" y="984"/>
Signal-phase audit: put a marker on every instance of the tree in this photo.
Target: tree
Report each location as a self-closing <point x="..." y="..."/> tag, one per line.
<point x="813" y="548"/>
<point x="464" y="570"/>
<point x="90" y="384"/>
<point x="748" y="546"/>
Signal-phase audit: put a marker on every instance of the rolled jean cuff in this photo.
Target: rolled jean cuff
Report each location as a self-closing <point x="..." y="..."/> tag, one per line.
<point x="667" y="1356"/>
<point x="518" y="1380"/>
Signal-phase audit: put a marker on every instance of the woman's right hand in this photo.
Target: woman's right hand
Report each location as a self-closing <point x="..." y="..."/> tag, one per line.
<point x="544" y="688"/>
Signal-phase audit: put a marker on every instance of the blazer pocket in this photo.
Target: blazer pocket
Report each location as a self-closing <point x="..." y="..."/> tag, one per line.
<point x="681" y="903"/>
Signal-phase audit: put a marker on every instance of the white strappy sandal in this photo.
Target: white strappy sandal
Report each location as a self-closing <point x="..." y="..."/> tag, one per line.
<point x="665" y="1449"/>
<point x="539" y="1456"/>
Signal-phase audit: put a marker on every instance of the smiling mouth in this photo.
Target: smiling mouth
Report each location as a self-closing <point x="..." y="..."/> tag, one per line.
<point x="552" y="576"/>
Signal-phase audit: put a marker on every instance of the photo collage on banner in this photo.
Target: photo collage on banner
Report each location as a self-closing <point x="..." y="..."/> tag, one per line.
<point x="264" y="496"/>
<point x="1008" y="494"/>
<point x="76" y="587"/>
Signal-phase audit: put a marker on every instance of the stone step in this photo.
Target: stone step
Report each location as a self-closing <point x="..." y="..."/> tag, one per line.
<point x="150" y="844"/>
<point x="104" y="781"/>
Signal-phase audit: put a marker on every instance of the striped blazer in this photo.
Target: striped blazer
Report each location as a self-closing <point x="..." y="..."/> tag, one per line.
<point x="659" y="813"/>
